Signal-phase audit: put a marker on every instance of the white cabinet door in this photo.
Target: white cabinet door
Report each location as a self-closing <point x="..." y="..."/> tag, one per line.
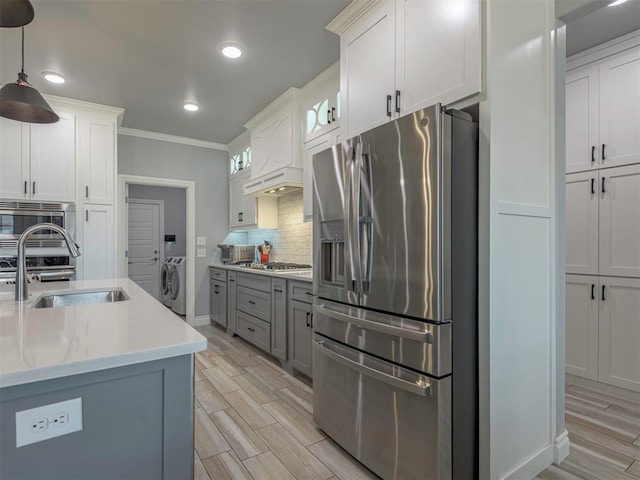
<point x="620" y="221"/>
<point x="439" y="52"/>
<point x="96" y="159"/>
<point x="272" y="143"/>
<point x="14" y="160"/>
<point x="242" y="209"/>
<point x="53" y="160"/>
<point x="313" y="147"/>
<point x="582" y="326"/>
<point x="582" y="149"/>
<point x="620" y="109"/>
<point x="582" y="223"/>
<point x="322" y="110"/>
<point x="620" y="332"/>
<point x="98" y="246"/>
<point x="367" y="70"/>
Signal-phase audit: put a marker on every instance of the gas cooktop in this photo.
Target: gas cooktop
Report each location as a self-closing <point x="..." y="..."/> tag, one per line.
<point x="278" y="266"/>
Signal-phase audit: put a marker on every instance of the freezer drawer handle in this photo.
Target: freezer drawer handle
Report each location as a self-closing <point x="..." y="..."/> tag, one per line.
<point x="422" y="389"/>
<point x="379" y="327"/>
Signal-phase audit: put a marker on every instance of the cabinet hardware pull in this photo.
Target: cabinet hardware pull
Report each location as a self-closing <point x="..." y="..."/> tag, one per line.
<point x="277" y="290"/>
<point x="593" y="186"/>
<point x="397" y="101"/>
<point x="328" y="115"/>
<point x="251" y="329"/>
<point x="308" y="325"/>
<point x="86" y="191"/>
<point x="33" y="189"/>
<point x="251" y="302"/>
<point x="311" y="317"/>
<point x="603" y="185"/>
<point x="389" y="106"/>
<point x="603" y="298"/>
<point x="603" y="157"/>
<point x="333" y="114"/>
<point x="593" y="291"/>
<point x="25" y="187"/>
<point x="232" y="280"/>
<point x="240" y="216"/>
<point x="593" y="154"/>
<point x="308" y="293"/>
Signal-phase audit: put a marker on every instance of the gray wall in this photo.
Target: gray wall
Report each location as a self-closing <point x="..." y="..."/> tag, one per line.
<point x="208" y="168"/>
<point x="175" y="213"/>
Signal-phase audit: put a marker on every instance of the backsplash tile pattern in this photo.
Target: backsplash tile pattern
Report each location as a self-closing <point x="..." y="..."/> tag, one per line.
<point x="293" y="241"/>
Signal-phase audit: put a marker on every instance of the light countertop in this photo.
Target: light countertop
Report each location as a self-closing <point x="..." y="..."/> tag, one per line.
<point x="305" y="275"/>
<point x="41" y="344"/>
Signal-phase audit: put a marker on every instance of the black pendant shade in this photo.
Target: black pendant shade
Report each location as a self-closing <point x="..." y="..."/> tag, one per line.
<point x="20" y="101"/>
<point x="15" y="13"/>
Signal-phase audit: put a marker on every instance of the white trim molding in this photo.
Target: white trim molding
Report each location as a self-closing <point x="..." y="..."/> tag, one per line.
<point x="190" y="187"/>
<point x="350" y="15"/>
<point x="604" y="50"/>
<point x="163" y="137"/>
<point x="201" y="320"/>
<point x="561" y="447"/>
<point x="86" y="106"/>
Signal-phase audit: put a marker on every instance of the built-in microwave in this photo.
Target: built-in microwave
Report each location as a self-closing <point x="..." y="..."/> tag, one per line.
<point x="16" y="217"/>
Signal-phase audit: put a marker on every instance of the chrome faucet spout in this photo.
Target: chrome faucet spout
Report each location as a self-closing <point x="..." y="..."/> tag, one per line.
<point x="22" y="285"/>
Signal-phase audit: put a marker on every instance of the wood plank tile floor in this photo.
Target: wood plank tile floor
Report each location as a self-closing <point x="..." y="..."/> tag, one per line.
<point x="254" y="421"/>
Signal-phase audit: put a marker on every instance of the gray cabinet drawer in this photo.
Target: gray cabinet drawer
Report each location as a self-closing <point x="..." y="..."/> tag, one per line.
<point x="254" y="330"/>
<point x="301" y="291"/>
<point x="219" y="274"/>
<point x="254" y="303"/>
<point x="256" y="281"/>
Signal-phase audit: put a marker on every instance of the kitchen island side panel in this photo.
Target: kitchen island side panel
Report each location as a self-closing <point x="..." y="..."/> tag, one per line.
<point x="137" y="423"/>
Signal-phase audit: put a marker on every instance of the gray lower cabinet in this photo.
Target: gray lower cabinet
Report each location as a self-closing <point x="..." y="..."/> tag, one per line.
<point x="300" y="333"/>
<point x="218" y="302"/>
<point x="279" y="319"/>
<point x="254" y="330"/>
<point x="232" y="320"/>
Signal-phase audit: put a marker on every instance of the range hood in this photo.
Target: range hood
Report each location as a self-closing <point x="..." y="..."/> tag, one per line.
<point x="278" y="183"/>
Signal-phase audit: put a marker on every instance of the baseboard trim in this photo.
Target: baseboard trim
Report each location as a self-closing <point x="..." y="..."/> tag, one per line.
<point x="201" y="320"/>
<point x="561" y="447"/>
<point x="602" y="387"/>
<point x="531" y="467"/>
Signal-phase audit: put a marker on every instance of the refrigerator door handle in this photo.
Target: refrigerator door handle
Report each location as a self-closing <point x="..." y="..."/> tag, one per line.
<point x="423" y="388"/>
<point x="352" y="216"/>
<point x="425" y="337"/>
<point x="365" y="220"/>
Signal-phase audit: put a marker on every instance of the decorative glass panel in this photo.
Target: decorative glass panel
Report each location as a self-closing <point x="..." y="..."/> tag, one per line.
<point x="246" y="158"/>
<point x="317" y="116"/>
<point x="234" y="163"/>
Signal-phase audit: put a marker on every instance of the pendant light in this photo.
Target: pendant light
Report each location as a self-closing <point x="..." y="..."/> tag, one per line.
<point x="15" y="13"/>
<point x="20" y="101"/>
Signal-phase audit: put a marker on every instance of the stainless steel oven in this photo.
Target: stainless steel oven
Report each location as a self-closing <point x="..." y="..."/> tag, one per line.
<point x="16" y="217"/>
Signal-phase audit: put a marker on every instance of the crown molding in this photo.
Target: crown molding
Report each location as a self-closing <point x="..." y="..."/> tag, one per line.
<point x="239" y="143"/>
<point x="87" y="106"/>
<point x="292" y="94"/>
<point x="617" y="45"/>
<point x="163" y="137"/>
<point x="331" y="73"/>
<point x="350" y="15"/>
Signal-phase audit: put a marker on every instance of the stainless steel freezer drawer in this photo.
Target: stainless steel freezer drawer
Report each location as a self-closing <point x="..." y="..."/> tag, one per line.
<point x="420" y="345"/>
<point x="393" y="420"/>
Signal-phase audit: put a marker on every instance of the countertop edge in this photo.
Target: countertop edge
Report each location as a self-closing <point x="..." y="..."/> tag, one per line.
<point x="237" y="268"/>
<point x="24" y="377"/>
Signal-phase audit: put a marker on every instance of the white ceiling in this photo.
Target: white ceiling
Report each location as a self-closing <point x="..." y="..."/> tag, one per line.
<point x="149" y="56"/>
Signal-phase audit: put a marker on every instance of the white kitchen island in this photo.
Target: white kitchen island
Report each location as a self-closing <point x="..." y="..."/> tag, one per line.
<point x="131" y="363"/>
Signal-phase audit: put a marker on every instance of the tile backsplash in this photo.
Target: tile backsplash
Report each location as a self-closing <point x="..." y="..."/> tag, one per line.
<point x="293" y="241"/>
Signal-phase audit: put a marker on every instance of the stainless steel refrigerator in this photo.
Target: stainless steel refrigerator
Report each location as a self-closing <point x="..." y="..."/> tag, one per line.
<point x="395" y="285"/>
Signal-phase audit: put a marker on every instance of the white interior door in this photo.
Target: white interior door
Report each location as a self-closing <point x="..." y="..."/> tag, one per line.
<point x="145" y="258"/>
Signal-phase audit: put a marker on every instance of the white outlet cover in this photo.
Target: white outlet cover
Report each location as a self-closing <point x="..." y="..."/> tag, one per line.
<point x="202" y="252"/>
<point x="201" y="240"/>
<point x="69" y="410"/>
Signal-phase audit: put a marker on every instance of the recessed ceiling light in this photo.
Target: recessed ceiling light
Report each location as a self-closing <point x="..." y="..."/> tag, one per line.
<point x="54" y="77"/>
<point x="190" y="107"/>
<point x="616" y="3"/>
<point x="232" y="50"/>
<point x="281" y="188"/>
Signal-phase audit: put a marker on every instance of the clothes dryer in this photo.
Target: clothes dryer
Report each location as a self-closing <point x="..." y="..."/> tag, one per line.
<point x="164" y="281"/>
<point x="178" y="285"/>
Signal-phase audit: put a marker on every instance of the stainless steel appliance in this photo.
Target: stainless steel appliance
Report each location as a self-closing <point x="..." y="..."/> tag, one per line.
<point x="279" y="266"/>
<point x="16" y="217"/>
<point x="237" y="253"/>
<point x="394" y="315"/>
<point x="48" y="268"/>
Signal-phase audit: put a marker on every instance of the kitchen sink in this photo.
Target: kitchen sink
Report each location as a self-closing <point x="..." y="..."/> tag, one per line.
<point x="71" y="299"/>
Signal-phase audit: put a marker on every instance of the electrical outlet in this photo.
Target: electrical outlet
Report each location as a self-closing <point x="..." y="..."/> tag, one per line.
<point x="202" y="252"/>
<point x="48" y="421"/>
<point x="201" y="240"/>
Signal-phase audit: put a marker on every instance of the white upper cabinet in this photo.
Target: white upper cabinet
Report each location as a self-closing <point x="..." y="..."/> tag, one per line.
<point x="275" y="137"/>
<point x="321" y="103"/>
<point x="98" y="243"/>
<point x="438" y="52"/>
<point x="247" y="212"/>
<point x="582" y="150"/>
<point x="398" y="57"/>
<point x="96" y="158"/>
<point x="582" y="223"/>
<point x="620" y="221"/>
<point x="316" y="145"/>
<point x="39" y="160"/>
<point x="620" y="109"/>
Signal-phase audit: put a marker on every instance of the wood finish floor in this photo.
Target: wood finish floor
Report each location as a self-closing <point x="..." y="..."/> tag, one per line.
<point x="255" y="421"/>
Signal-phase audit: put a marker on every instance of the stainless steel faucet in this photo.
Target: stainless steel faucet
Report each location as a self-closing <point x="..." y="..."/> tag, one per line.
<point x="22" y="291"/>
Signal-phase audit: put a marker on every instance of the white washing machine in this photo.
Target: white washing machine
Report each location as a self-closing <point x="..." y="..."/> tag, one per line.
<point x="164" y="281"/>
<point x="178" y="285"/>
